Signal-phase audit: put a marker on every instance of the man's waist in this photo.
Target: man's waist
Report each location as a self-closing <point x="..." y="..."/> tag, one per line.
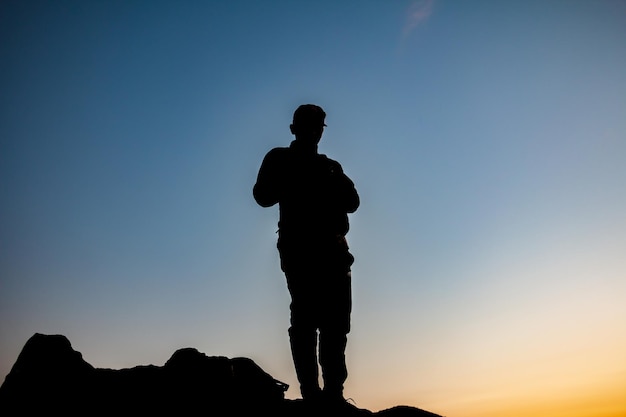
<point x="305" y="232"/>
<point x="310" y="234"/>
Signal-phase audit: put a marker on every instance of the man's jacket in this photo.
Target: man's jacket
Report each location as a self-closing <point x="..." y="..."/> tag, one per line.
<point x="314" y="194"/>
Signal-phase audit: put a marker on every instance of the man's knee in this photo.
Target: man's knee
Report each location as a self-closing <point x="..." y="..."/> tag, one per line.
<point x="303" y="334"/>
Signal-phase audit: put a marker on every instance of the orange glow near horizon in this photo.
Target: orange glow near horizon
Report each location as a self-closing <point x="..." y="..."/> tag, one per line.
<point x="601" y="399"/>
<point x="554" y="354"/>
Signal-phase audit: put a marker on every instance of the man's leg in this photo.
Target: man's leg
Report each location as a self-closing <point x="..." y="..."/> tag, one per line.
<point x="303" y="334"/>
<point x="333" y="361"/>
<point x="303" y="350"/>
<point x="333" y="335"/>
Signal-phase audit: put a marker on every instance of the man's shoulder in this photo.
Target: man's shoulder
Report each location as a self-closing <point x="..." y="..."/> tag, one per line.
<point x="277" y="153"/>
<point x="329" y="160"/>
<point x="278" y="158"/>
<point x="279" y="150"/>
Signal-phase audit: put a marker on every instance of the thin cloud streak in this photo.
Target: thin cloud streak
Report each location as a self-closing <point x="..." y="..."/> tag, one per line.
<point x="418" y="12"/>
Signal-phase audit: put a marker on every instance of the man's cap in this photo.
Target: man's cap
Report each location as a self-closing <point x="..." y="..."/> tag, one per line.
<point x="309" y="115"/>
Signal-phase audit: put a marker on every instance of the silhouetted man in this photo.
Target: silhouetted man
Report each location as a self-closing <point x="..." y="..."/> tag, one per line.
<point x="314" y="197"/>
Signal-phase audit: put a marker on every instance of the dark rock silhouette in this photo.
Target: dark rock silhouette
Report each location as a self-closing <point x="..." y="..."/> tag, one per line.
<point x="50" y="377"/>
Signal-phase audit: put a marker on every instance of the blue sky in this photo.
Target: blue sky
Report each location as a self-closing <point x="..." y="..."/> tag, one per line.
<point x="487" y="140"/>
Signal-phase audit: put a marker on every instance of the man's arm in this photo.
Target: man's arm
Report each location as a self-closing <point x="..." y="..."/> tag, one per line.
<point x="349" y="196"/>
<point x="344" y="191"/>
<point x="267" y="190"/>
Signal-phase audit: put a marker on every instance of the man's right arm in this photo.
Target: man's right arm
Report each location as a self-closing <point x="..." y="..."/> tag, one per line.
<point x="267" y="190"/>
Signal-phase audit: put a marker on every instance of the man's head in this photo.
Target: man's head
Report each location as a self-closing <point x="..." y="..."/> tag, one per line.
<point x="308" y="123"/>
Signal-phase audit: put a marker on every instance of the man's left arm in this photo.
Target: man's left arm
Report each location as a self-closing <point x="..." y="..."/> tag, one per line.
<point x="343" y="189"/>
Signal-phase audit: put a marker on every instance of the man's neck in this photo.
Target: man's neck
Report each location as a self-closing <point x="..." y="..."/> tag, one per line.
<point x="304" y="146"/>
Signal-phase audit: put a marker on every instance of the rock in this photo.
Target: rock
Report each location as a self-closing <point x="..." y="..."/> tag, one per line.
<point x="48" y="373"/>
<point x="50" y="377"/>
<point x="405" y="411"/>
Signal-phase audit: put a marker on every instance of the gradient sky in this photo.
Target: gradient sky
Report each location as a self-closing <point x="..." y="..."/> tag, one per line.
<point x="487" y="140"/>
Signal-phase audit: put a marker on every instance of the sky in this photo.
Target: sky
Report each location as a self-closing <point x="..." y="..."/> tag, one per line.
<point x="487" y="141"/>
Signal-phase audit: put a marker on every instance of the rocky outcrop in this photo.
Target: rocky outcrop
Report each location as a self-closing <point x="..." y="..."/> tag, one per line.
<point x="50" y="377"/>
